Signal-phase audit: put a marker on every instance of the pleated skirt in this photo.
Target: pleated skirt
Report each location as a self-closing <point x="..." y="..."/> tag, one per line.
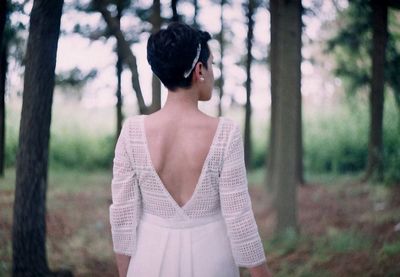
<point x="182" y="248"/>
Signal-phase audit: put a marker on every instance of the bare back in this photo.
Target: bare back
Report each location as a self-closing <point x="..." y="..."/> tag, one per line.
<point x="178" y="150"/>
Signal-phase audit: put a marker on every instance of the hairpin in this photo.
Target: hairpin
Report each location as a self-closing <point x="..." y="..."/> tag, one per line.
<point x="187" y="72"/>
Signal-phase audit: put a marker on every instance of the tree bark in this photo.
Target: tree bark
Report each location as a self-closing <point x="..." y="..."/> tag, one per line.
<point x="221" y="40"/>
<point x="196" y="12"/>
<point x="271" y="168"/>
<point x="126" y="52"/>
<point x="3" y="73"/>
<point x="175" y="15"/>
<point x="119" y="69"/>
<point x="249" y="43"/>
<point x="376" y="100"/>
<point x="29" y="224"/>
<point x="286" y="95"/>
<point x="156" y="21"/>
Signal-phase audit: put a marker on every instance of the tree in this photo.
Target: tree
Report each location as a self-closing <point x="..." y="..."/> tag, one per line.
<point x="175" y="15"/>
<point x="196" y="11"/>
<point x="4" y="10"/>
<point x="156" y="22"/>
<point x="119" y="68"/>
<point x="29" y="224"/>
<point x="379" y="42"/>
<point x="285" y="109"/>
<point x="125" y="51"/>
<point x="222" y="42"/>
<point x="362" y="43"/>
<point x="250" y="11"/>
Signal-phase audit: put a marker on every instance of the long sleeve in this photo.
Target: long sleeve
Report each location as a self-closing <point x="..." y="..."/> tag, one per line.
<point x="236" y="205"/>
<point x="126" y="202"/>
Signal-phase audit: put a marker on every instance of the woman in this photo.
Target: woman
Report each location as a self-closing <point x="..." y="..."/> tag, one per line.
<point x="181" y="205"/>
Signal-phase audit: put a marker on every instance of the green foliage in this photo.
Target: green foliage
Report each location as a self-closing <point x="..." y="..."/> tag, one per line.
<point x="337" y="142"/>
<point x="391" y="249"/>
<point x="337" y="241"/>
<point x="284" y="242"/>
<point x="352" y="47"/>
<point x="336" y="145"/>
<point x="79" y="150"/>
<point x="11" y="145"/>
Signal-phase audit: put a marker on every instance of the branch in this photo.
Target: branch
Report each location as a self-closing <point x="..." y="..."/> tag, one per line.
<point x="125" y="51"/>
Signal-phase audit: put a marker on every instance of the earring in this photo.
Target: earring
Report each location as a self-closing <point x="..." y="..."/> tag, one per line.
<point x="201" y="78"/>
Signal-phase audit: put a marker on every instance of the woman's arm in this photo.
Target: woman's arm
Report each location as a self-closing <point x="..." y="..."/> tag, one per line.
<point x="122" y="264"/>
<point x="236" y="207"/>
<point x="126" y="203"/>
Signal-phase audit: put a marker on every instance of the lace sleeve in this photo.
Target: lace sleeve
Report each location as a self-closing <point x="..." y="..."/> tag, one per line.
<point x="236" y="205"/>
<point x="125" y="207"/>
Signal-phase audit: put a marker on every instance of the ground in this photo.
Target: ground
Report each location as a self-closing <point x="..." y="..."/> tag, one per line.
<point x="345" y="228"/>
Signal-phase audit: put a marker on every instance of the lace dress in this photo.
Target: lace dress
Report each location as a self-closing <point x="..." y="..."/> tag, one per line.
<point x="211" y="235"/>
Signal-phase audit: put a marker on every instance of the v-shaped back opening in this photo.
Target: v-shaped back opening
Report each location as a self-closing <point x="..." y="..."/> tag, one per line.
<point x="203" y="169"/>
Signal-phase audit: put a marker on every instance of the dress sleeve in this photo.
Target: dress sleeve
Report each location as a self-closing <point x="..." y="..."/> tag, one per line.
<point x="236" y="205"/>
<point x="125" y="207"/>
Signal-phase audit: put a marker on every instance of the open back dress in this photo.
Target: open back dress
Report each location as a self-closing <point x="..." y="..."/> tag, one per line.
<point x="211" y="235"/>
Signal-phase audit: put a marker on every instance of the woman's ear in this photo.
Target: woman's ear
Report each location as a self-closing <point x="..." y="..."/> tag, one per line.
<point x="199" y="70"/>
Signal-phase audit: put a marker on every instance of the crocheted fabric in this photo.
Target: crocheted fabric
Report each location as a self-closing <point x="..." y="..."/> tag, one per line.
<point x="222" y="188"/>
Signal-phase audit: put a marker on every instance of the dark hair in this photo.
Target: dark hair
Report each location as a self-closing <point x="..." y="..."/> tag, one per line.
<point x="171" y="51"/>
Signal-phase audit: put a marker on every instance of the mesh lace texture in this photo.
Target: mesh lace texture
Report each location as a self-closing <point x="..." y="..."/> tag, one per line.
<point x="222" y="188"/>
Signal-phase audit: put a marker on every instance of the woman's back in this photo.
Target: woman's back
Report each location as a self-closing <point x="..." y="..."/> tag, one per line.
<point x="178" y="149"/>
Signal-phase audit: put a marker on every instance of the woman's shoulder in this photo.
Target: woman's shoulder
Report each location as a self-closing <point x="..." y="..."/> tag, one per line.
<point x="129" y="120"/>
<point x="230" y="124"/>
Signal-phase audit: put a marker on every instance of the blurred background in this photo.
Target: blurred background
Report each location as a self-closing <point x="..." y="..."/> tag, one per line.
<point x="314" y="84"/>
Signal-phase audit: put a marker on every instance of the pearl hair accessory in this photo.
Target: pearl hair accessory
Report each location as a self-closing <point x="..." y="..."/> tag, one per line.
<point x="187" y="72"/>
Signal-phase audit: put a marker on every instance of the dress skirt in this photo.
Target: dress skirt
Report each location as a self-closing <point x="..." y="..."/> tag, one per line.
<point x="182" y="248"/>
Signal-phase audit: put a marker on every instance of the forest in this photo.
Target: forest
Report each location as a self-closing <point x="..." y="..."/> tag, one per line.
<point x="313" y="84"/>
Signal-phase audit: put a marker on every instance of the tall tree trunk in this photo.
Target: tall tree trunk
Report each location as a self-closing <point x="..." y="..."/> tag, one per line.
<point x="119" y="73"/>
<point x="126" y="52"/>
<point x="299" y="147"/>
<point x="196" y="12"/>
<point x="271" y="168"/>
<point x="221" y="40"/>
<point x="249" y="41"/>
<point x="376" y="99"/>
<point x="29" y="224"/>
<point x="285" y="90"/>
<point x="3" y="73"/>
<point x="156" y="21"/>
<point x="175" y="15"/>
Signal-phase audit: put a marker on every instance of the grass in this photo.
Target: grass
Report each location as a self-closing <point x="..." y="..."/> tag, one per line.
<point x="391" y="249"/>
<point x="339" y="241"/>
<point x="79" y="236"/>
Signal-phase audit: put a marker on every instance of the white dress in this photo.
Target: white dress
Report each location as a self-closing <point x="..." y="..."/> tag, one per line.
<point x="211" y="235"/>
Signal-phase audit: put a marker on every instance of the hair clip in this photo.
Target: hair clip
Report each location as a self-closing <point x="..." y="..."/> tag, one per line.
<point x="187" y="72"/>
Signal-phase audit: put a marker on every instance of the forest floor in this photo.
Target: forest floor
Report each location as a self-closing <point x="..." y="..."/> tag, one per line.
<point x="346" y="228"/>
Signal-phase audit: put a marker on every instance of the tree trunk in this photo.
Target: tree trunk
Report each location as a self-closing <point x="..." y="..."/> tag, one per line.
<point x="274" y="55"/>
<point x="376" y="99"/>
<point x="156" y="21"/>
<point x="249" y="44"/>
<point x="299" y="147"/>
<point x="196" y="12"/>
<point x="119" y="73"/>
<point x="285" y="91"/>
<point x="175" y="16"/>
<point x="29" y="224"/>
<point x="126" y="52"/>
<point x="3" y="73"/>
<point x="221" y="41"/>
